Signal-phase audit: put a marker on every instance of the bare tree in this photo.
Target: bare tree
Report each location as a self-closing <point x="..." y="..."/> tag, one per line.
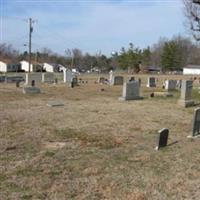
<point x="192" y="13"/>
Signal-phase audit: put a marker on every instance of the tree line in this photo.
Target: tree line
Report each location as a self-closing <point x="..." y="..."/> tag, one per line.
<point x="166" y="54"/>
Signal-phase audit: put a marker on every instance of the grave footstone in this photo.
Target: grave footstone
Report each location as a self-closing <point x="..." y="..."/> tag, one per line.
<point x="186" y="94"/>
<point x="31" y="90"/>
<point x="151" y="82"/>
<point x="162" y="138"/>
<point x="196" y="124"/>
<point x="54" y="103"/>
<point x="131" y="91"/>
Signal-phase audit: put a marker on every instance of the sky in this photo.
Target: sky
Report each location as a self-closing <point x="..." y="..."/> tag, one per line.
<point x="91" y="25"/>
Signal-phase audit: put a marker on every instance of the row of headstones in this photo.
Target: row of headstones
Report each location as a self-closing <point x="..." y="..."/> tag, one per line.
<point x="151" y="82"/>
<point x="33" y="78"/>
<point x="131" y="91"/>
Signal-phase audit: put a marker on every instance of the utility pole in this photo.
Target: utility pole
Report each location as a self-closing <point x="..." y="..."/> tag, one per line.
<point x="30" y="37"/>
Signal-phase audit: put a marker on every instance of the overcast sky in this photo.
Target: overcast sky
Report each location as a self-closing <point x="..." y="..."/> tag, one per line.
<point x="90" y="25"/>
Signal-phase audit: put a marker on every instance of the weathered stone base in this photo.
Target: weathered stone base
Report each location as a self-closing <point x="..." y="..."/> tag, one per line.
<point x="187" y="103"/>
<point x="31" y="90"/>
<point x="127" y="99"/>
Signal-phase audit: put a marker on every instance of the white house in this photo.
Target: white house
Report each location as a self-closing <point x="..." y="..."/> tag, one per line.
<point x="34" y="67"/>
<point x="53" y="67"/>
<point x="25" y="66"/>
<point x="8" y="66"/>
<point x="191" y="70"/>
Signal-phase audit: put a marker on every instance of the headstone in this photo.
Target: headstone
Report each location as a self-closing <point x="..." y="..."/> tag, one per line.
<point x="131" y="91"/>
<point x="196" y="124"/>
<point x="67" y="75"/>
<point x="33" y="76"/>
<point x="54" y="103"/>
<point x="117" y="80"/>
<point x="17" y="84"/>
<point x="162" y="138"/>
<point x="33" y="83"/>
<point x="170" y="84"/>
<point x="47" y="77"/>
<point x="75" y="81"/>
<point x="186" y="94"/>
<point x="31" y="90"/>
<point x="110" y="76"/>
<point x="151" y="82"/>
<point x="140" y="81"/>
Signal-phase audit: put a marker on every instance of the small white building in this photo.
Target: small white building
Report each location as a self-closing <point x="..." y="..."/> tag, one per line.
<point x="8" y="66"/>
<point x="53" y="67"/>
<point x="191" y="70"/>
<point x="25" y="66"/>
<point x="34" y="67"/>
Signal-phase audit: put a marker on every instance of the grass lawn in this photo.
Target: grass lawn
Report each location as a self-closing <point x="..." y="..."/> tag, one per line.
<point x="95" y="146"/>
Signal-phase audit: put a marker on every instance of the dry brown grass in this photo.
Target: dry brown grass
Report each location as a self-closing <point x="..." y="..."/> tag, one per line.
<point x="95" y="147"/>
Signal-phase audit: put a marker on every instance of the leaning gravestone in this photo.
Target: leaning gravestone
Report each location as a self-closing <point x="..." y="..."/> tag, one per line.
<point x="117" y="80"/>
<point x="196" y="124"/>
<point x="186" y="94"/>
<point x="37" y="77"/>
<point x="170" y="84"/>
<point x="47" y="77"/>
<point x="151" y="82"/>
<point x="162" y="138"/>
<point x="131" y="91"/>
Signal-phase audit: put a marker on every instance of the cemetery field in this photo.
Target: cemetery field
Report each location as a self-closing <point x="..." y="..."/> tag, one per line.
<point x="95" y="146"/>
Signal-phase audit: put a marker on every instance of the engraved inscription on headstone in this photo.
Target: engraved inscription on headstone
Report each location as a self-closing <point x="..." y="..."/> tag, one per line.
<point x="162" y="138"/>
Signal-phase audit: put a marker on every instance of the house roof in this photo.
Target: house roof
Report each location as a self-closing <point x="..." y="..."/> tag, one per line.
<point x="192" y="67"/>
